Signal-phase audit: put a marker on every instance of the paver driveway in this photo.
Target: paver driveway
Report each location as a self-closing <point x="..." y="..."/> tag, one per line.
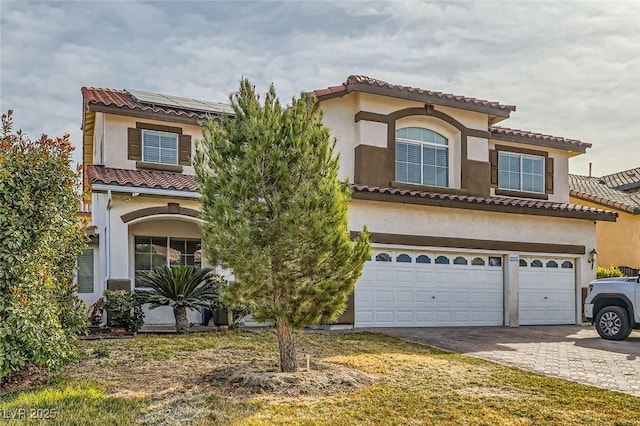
<point x="574" y="353"/>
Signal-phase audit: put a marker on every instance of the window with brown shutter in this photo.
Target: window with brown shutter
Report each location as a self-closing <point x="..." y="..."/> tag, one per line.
<point x="493" y="160"/>
<point x="548" y="177"/>
<point x="184" y="150"/>
<point x="134" y="144"/>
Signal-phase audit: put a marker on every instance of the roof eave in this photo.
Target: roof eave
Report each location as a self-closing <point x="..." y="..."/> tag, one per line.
<point x="150" y="115"/>
<point x="541" y="142"/>
<point x="465" y="204"/>
<point x="403" y="93"/>
<point x="604" y="202"/>
<point x="100" y="186"/>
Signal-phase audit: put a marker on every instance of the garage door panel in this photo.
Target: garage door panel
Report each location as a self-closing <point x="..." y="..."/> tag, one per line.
<point x="405" y="277"/>
<point x="384" y="296"/>
<point x="383" y="317"/>
<point x="547" y="295"/>
<point x="419" y="294"/>
<point x="442" y="278"/>
<point x="405" y="317"/>
<point x="405" y="296"/>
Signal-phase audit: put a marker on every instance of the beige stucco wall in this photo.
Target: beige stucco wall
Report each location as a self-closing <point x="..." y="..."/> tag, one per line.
<point x="618" y="242"/>
<point x="339" y="116"/>
<point x="114" y="132"/>
<point x="406" y="219"/>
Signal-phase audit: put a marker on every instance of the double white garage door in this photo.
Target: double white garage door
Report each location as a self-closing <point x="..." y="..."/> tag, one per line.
<point x="402" y="288"/>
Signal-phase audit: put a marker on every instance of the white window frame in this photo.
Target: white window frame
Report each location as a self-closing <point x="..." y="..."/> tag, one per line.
<point x="521" y="157"/>
<point x="420" y="144"/>
<point x="177" y="139"/>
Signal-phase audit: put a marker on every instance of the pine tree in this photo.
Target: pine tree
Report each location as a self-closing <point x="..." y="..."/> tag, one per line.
<point x="275" y="213"/>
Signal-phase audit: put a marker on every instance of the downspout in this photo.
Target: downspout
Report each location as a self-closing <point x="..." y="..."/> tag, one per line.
<point x="108" y="241"/>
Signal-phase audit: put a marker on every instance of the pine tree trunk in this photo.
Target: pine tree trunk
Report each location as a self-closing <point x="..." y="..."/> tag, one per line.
<point x="288" y="354"/>
<point x="182" y="322"/>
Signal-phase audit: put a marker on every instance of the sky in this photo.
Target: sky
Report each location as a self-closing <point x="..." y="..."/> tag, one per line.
<point x="572" y="68"/>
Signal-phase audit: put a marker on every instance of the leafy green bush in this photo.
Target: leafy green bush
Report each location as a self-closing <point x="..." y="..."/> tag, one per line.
<point x="40" y="238"/>
<point x="611" y="271"/>
<point x="123" y="310"/>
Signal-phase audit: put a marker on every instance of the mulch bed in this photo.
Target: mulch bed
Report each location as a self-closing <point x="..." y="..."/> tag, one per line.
<point x="31" y="375"/>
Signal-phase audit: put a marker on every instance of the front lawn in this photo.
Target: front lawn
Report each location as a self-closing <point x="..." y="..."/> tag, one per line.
<point x="356" y="378"/>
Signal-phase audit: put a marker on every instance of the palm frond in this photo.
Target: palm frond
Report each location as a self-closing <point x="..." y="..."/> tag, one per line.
<point x="178" y="286"/>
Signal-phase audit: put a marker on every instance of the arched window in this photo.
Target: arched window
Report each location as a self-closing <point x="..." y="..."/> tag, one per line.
<point x="404" y="258"/>
<point x="442" y="260"/>
<point x="423" y="259"/>
<point x="523" y="262"/>
<point x="459" y="261"/>
<point x="536" y="264"/>
<point x="478" y="261"/>
<point x="552" y="264"/>
<point x="422" y="157"/>
<point x="383" y="257"/>
<point x="567" y="265"/>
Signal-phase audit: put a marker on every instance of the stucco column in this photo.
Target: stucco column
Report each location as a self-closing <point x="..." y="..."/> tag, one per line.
<point x="511" y="289"/>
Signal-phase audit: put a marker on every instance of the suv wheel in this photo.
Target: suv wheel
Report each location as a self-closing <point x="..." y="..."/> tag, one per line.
<point x="612" y="323"/>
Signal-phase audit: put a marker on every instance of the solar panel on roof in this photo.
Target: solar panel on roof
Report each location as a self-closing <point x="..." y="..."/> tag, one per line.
<point x="158" y="99"/>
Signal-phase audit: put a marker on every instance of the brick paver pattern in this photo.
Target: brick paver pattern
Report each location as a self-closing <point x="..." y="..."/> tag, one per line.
<point x="574" y="353"/>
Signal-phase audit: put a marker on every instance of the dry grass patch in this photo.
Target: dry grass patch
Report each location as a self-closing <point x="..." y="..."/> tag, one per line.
<point x="356" y="378"/>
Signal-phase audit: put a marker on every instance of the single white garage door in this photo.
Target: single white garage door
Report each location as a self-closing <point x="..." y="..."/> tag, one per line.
<point x="429" y="289"/>
<point x="547" y="291"/>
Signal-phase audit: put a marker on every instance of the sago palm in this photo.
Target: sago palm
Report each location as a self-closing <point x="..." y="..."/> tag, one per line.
<point x="179" y="287"/>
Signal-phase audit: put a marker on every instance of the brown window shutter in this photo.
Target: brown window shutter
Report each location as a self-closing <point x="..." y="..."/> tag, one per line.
<point x="134" y="144"/>
<point x="548" y="176"/>
<point x="493" y="161"/>
<point x="184" y="150"/>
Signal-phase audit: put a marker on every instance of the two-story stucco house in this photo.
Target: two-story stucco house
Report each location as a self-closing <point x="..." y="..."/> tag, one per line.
<point x="471" y="223"/>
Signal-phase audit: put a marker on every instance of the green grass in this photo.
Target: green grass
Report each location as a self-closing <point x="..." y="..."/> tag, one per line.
<point x="172" y="379"/>
<point x="66" y="401"/>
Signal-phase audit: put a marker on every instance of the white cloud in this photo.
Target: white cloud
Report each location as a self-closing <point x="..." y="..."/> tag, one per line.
<point x="570" y="67"/>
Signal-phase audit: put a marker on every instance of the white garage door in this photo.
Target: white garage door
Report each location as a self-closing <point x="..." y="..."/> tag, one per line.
<point x="547" y="291"/>
<point x="429" y="289"/>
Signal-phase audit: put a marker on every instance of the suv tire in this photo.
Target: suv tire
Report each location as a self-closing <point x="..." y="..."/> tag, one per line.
<point x="612" y="323"/>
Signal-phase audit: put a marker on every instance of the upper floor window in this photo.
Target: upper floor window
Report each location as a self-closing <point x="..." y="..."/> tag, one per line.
<point x="422" y="157"/>
<point x="521" y="172"/>
<point x="159" y="147"/>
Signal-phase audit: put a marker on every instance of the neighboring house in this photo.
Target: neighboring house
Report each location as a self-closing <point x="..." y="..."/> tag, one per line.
<point x="618" y="243"/>
<point x="470" y="222"/>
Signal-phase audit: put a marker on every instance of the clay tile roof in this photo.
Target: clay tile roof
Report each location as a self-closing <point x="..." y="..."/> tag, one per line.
<point x="624" y="180"/>
<point x="514" y="205"/>
<point x="372" y="85"/>
<point x="124" y="100"/>
<point x="596" y="190"/>
<point x="517" y="135"/>
<point x="141" y="179"/>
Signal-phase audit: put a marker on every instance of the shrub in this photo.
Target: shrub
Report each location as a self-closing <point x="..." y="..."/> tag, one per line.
<point x="101" y="351"/>
<point x="179" y="287"/>
<point x="40" y="237"/>
<point x="123" y="310"/>
<point x="611" y="271"/>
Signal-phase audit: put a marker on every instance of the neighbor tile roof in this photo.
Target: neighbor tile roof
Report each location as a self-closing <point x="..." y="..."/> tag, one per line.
<point x="123" y="100"/>
<point x="597" y="190"/>
<point x="516" y="135"/>
<point x="364" y="83"/>
<point x="516" y="205"/>
<point x="624" y="180"/>
<point x="141" y="179"/>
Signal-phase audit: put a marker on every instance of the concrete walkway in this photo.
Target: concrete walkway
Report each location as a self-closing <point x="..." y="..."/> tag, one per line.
<point x="570" y="352"/>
